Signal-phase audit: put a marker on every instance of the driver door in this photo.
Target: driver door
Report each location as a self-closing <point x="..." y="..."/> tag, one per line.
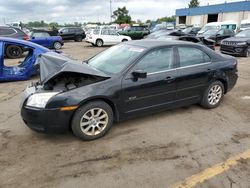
<point x="155" y="91"/>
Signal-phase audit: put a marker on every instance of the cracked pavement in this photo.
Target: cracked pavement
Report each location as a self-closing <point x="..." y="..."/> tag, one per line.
<point x="153" y="151"/>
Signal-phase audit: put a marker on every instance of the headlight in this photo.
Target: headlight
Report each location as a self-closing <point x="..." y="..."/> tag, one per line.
<point x="241" y="43"/>
<point x="40" y="100"/>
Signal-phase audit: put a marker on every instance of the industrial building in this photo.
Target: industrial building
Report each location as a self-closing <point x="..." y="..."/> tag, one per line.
<point x="236" y="11"/>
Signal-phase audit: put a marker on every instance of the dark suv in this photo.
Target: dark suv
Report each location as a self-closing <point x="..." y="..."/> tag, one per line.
<point x="13" y="51"/>
<point x="72" y="33"/>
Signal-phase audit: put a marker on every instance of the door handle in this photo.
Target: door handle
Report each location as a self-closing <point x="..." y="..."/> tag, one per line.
<point x="169" y="79"/>
<point x="210" y="70"/>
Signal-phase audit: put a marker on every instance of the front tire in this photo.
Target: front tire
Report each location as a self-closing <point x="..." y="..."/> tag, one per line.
<point x="92" y="120"/>
<point x="124" y="40"/>
<point x="78" y="39"/>
<point x="213" y="95"/>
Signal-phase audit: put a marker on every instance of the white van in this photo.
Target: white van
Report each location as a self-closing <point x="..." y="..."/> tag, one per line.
<point x="218" y="25"/>
<point x="245" y="24"/>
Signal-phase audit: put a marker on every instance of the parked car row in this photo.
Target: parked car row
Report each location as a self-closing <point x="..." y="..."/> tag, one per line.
<point x="47" y="38"/>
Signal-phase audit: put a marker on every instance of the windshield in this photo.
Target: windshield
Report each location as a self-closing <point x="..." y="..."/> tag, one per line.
<point x="187" y="30"/>
<point x="116" y="58"/>
<point x="245" y="25"/>
<point x="208" y="27"/>
<point x="211" y="32"/>
<point x="243" y="34"/>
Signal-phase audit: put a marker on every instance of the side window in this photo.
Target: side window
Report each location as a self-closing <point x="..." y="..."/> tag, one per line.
<point x="71" y="30"/>
<point x="192" y="56"/>
<point x="65" y="30"/>
<point x="156" y="60"/>
<point x="112" y="32"/>
<point x="96" y="32"/>
<point x="221" y="32"/>
<point x="105" y="32"/>
<point x="7" y="31"/>
<point x="42" y="34"/>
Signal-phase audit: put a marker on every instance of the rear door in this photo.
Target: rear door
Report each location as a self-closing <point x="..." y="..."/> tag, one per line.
<point x="72" y="33"/>
<point x="106" y="37"/>
<point x="115" y="38"/>
<point x="195" y="70"/>
<point x="155" y="91"/>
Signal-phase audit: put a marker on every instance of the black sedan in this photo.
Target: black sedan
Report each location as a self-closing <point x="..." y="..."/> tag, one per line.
<point x="237" y="45"/>
<point x="124" y="81"/>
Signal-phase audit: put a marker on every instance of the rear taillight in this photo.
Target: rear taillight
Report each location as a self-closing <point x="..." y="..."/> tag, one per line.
<point x="26" y="37"/>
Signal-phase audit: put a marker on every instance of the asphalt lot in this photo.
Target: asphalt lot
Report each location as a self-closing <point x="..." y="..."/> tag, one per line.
<point x="169" y="149"/>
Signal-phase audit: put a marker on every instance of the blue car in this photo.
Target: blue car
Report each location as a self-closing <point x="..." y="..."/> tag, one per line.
<point x="48" y="39"/>
<point x="26" y="68"/>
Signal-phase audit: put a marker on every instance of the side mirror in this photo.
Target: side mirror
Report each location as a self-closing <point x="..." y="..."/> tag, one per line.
<point x="139" y="74"/>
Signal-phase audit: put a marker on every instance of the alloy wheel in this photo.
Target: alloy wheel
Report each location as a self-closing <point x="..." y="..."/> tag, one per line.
<point x="57" y="45"/>
<point x="214" y="95"/>
<point x="94" y="121"/>
<point x="99" y="43"/>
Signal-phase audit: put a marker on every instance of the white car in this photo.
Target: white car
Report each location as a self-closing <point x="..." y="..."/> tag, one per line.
<point x="100" y="37"/>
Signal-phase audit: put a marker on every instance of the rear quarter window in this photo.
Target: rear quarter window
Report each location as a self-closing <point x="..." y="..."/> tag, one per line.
<point x="7" y="31"/>
<point x="189" y="56"/>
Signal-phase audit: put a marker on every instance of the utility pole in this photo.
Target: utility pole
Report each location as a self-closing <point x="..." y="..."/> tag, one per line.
<point x="111" y="11"/>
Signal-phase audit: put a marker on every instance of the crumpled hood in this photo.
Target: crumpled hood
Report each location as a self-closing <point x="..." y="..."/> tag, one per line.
<point x="51" y="64"/>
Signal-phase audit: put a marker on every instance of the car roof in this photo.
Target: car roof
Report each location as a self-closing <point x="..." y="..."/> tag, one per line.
<point x="148" y="43"/>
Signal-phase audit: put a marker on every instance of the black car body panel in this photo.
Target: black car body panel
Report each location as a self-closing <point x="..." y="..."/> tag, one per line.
<point x="231" y="46"/>
<point x="72" y="33"/>
<point x="218" y="35"/>
<point x="178" y="86"/>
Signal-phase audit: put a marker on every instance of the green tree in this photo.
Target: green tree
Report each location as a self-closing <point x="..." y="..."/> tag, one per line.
<point x="193" y="3"/>
<point x="121" y="16"/>
<point x="167" y="19"/>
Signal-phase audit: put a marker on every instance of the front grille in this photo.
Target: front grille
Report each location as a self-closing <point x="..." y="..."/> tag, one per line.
<point x="229" y="43"/>
<point x="226" y="48"/>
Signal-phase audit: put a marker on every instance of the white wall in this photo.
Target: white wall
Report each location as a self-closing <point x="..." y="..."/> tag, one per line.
<point x="196" y="20"/>
<point x="231" y="16"/>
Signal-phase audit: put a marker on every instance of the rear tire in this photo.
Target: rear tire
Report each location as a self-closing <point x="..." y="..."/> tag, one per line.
<point x="99" y="43"/>
<point x="57" y="45"/>
<point x="78" y="39"/>
<point x="14" y="52"/>
<point x="92" y="121"/>
<point x="213" y="95"/>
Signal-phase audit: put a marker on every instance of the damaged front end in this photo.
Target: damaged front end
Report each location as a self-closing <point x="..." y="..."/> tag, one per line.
<point x="59" y="73"/>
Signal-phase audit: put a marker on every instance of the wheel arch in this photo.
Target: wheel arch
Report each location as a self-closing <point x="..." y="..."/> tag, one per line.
<point x="99" y="39"/>
<point x="225" y="84"/>
<point x="106" y="100"/>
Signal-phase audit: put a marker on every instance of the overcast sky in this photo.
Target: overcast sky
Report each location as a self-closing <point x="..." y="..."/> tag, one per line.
<point x="68" y="11"/>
